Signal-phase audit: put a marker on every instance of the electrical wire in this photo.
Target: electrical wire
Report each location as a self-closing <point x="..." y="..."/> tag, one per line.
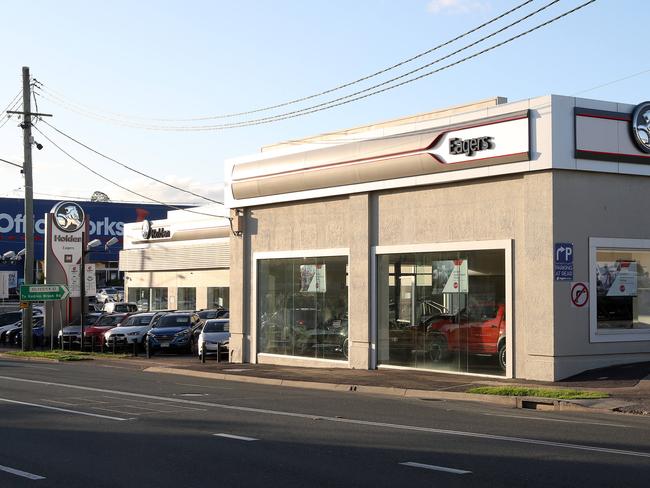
<point x="13" y="164"/>
<point x="367" y="92"/>
<point x="319" y="94"/>
<point x="618" y="80"/>
<point x="96" y="173"/>
<point x="129" y="167"/>
<point x="17" y="104"/>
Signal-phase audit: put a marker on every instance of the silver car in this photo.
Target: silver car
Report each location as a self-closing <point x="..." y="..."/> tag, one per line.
<point x="215" y="335"/>
<point x="133" y="329"/>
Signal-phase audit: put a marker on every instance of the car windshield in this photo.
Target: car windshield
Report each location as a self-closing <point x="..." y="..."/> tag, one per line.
<point x="174" y="321"/>
<point x="109" y="320"/>
<point x="209" y="314"/>
<point x="10" y="318"/>
<point x="136" y="320"/>
<point x="216" y="326"/>
<point x="111" y="291"/>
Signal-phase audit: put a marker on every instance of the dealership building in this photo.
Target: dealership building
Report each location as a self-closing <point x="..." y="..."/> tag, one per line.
<point x="178" y="263"/>
<point x="494" y="238"/>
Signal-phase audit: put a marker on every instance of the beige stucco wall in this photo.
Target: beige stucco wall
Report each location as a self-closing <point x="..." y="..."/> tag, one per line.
<point x="517" y="208"/>
<point x="594" y="205"/>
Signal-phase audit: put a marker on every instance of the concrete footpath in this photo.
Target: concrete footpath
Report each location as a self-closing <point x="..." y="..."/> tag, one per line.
<point x="627" y="385"/>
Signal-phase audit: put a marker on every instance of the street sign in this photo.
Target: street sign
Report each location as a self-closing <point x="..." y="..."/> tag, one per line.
<point x="563" y="261"/>
<point x="43" y="293"/>
<point x="579" y="294"/>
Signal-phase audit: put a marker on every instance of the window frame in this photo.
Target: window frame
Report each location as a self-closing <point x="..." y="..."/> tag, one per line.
<point x="611" y="244"/>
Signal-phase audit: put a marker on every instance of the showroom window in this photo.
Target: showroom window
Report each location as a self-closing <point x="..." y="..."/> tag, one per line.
<point x="159" y="299"/>
<point x="620" y="285"/>
<point x="218" y="297"/>
<point x="140" y="296"/>
<point x="302" y="307"/>
<point x="442" y="310"/>
<point x="186" y="299"/>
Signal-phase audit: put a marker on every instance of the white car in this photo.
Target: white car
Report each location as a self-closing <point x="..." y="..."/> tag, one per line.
<point x="108" y="295"/>
<point x="132" y="330"/>
<point x="215" y="336"/>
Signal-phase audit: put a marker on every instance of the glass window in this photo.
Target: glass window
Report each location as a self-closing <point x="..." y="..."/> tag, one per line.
<point x="622" y="290"/>
<point x="442" y="310"/>
<point x="303" y="307"/>
<point x="186" y="299"/>
<point x="218" y="297"/>
<point x="139" y="296"/>
<point x="159" y="299"/>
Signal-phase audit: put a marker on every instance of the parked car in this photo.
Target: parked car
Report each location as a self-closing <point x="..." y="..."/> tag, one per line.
<point x="8" y="335"/>
<point x="11" y="320"/>
<point x="120" y="307"/>
<point x="133" y="329"/>
<point x="71" y="334"/>
<point x="212" y="313"/>
<point x="95" y="333"/>
<point x="215" y="336"/>
<point x="174" y="331"/>
<point x="15" y="337"/>
<point x="104" y="295"/>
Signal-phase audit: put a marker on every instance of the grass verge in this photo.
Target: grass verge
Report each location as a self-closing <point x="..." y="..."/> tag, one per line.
<point x="62" y="355"/>
<point x="538" y="392"/>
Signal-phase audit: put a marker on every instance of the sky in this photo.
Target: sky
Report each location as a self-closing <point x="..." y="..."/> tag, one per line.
<point x="130" y="62"/>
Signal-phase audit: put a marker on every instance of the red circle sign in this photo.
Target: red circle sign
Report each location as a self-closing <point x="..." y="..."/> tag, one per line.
<point x="579" y="294"/>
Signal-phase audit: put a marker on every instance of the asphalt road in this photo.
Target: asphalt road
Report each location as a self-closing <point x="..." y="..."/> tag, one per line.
<point x="99" y="424"/>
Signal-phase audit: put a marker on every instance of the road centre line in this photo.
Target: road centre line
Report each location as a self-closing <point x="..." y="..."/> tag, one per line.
<point x="18" y="472"/>
<point x="547" y="419"/>
<point x="435" y="468"/>
<point x="47" y="407"/>
<point x="411" y="428"/>
<point x="237" y="437"/>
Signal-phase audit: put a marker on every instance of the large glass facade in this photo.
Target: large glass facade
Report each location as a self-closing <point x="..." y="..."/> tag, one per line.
<point x="218" y="297"/>
<point x="302" y="307"/>
<point x="622" y="290"/>
<point x="186" y="298"/>
<point x="148" y="299"/>
<point x="442" y="310"/>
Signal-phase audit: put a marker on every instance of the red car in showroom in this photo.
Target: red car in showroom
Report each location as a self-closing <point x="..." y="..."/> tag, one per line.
<point x="95" y="333"/>
<point x="481" y="330"/>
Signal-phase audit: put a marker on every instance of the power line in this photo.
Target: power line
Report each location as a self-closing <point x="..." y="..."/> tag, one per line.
<point x="13" y="164"/>
<point x="612" y="82"/>
<point x="129" y="167"/>
<point x="367" y="92"/>
<point x="168" y="205"/>
<point x="319" y="94"/>
<point x="17" y="103"/>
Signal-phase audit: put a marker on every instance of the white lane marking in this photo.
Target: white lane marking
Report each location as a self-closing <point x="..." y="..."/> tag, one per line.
<point x="238" y="437"/>
<point x="368" y="423"/>
<point x="436" y="468"/>
<point x="548" y="419"/>
<point x="18" y="472"/>
<point x="47" y="407"/>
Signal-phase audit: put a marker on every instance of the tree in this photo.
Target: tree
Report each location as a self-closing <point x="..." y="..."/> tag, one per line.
<point x="99" y="196"/>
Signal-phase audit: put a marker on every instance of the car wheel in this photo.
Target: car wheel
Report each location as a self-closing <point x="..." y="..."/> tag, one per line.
<point x="438" y="350"/>
<point x="502" y="355"/>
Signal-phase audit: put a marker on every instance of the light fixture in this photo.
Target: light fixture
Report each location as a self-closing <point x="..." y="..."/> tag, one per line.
<point x="93" y="243"/>
<point x="111" y="241"/>
<point x="9" y="255"/>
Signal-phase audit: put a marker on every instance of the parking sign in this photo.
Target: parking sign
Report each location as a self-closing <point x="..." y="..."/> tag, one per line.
<point x="563" y="261"/>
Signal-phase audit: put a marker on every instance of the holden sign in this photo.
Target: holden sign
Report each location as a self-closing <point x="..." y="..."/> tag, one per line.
<point x="641" y="126"/>
<point x="68" y="216"/>
<point x="149" y="232"/>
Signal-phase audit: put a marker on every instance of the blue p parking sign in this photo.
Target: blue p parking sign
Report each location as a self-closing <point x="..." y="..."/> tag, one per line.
<point x="563" y="261"/>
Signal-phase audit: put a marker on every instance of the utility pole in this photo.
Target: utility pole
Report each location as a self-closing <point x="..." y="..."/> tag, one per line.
<point x="28" y="270"/>
<point x="29" y="207"/>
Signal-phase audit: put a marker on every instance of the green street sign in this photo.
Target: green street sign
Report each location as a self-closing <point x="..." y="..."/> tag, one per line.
<point x="43" y="293"/>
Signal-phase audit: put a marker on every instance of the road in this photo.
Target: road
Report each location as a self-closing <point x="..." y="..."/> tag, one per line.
<point x="110" y="424"/>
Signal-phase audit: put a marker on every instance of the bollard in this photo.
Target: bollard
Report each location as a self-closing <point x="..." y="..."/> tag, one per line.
<point x="135" y="348"/>
<point x="146" y="348"/>
<point x="114" y="341"/>
<point x="218" y="352"/>
<point x="203" y="352"/>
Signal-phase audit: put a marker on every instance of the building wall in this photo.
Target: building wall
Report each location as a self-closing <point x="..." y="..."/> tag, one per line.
<point x="594" y="205"/>
<point x="517" y="208"/>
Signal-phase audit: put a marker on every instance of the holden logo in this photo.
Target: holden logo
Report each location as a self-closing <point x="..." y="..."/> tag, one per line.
<point x="146" y="229"/>
<point x="68" y="216"/>
<point x="641" y="126"/>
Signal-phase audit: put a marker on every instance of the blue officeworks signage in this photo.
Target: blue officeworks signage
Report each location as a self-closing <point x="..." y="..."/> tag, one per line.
<point x="105" y="220"/>
<point x="563" y="261"/>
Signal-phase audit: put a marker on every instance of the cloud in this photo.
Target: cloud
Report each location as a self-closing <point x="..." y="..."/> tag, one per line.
<point x="457" y="6"/>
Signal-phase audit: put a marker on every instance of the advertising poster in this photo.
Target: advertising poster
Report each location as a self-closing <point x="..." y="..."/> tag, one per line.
<point x="450" y="276"/>
<point x="617" y="278"/>
<point x="313" y="278"/>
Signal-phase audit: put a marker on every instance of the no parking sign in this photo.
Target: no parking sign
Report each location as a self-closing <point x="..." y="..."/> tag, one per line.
<point x="579" y="294"/>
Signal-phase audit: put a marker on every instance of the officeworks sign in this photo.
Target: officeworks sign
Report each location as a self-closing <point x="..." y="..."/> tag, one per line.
<point x="105" y="220"/>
